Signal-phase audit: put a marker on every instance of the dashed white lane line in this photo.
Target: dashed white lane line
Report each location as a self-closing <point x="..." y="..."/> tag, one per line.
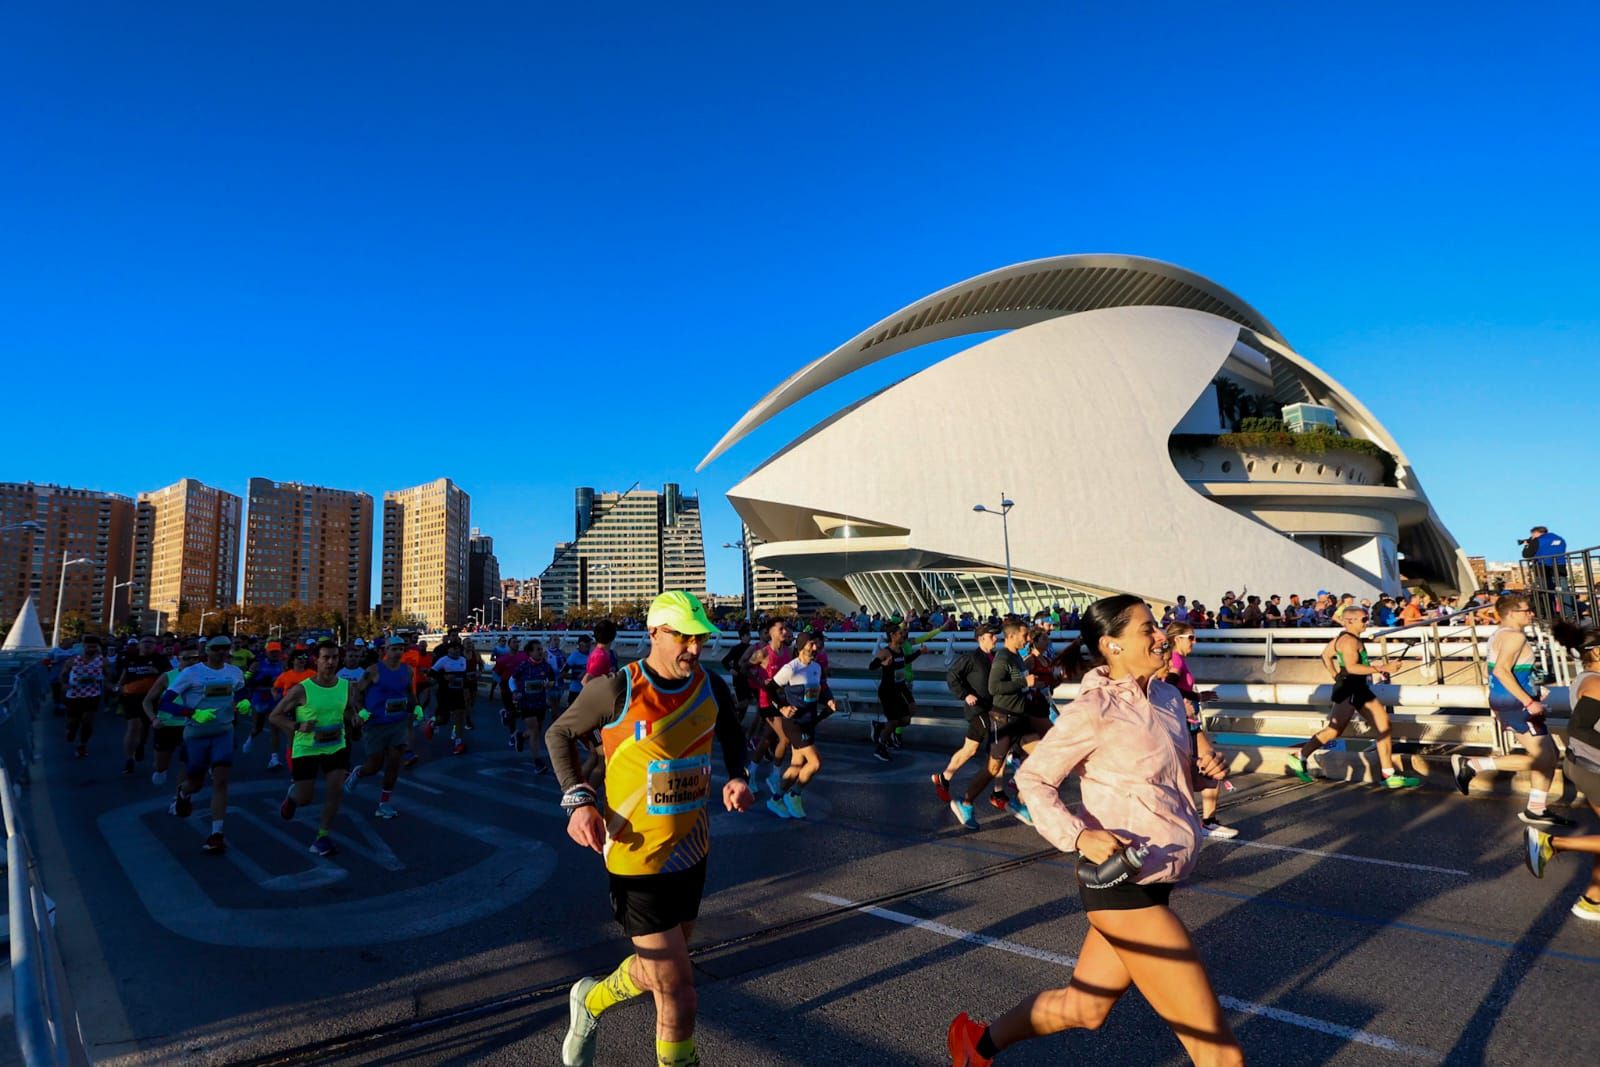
<point x="1248" y="1007"/>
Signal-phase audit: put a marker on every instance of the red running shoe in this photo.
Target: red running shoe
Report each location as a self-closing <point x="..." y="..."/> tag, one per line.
<point x="941" y="787"/>
<point x="459" y="748"/>
<point x="963" y="1042"/>
<point x="999" y="800"/>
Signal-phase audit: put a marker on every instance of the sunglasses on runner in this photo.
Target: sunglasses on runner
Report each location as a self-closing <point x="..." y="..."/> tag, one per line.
<point x="685" y="639"/>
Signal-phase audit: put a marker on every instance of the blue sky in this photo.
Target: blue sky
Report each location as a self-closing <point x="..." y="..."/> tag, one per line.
<point x="535" y="247"/>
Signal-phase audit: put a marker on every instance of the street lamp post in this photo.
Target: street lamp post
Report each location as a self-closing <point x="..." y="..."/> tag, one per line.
<point x="605" y="569"/>
<point x="236" y="623"/>
<point x="61" y="593"/>
<point x="115" y="585"/>
<point x="746" y="576"/>
<point x="1005" y="532"/>
<point x="501" y="612"/>
<point x="204" y="615"/>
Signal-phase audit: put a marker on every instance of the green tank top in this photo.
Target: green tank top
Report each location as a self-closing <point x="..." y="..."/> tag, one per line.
<point x="1360" y="658"/>
<point x="324" y="708"/>
<point x="163" y="718"/>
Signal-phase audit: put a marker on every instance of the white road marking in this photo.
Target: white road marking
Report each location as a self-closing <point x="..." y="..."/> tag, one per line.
<point x="1266" y="1011"/>
<point x="1339" y="856"/>
<point x="514" y="870"/>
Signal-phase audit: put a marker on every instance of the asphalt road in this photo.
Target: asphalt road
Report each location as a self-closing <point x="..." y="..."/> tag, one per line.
<point x="1345" y="925"/>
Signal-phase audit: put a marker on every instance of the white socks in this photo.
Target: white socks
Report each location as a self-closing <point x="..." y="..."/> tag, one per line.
<point x="1481" y="763"/>
<point x="1536" y="800"/>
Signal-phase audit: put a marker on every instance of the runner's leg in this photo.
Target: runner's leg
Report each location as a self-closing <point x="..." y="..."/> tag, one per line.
<point x="1098" y="982"/>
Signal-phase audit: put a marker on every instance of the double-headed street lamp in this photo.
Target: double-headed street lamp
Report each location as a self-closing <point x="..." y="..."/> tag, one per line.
<point x="61" y="593"/>
<point x="743" y="545"/>
<point x="1005" y="531"/>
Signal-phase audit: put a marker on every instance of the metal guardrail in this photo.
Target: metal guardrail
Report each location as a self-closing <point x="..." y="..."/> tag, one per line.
<point x="48" y="1031"/>
<point x="1563" y="586"/>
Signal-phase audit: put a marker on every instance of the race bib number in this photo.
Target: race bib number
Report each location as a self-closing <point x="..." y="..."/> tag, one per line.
<point x="813" y="694"/>
<point x="219" y="689"/>
<point x="454" y="681"/>
<point x="326" y="735"/>
<point x="677" y="786"/>
<point x="395" y="705"/>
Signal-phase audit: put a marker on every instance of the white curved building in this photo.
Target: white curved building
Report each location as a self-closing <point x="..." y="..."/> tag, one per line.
<point x="1103" y="410"/>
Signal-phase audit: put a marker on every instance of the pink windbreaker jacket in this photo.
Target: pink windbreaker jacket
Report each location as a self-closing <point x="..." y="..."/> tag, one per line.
<point x="1131" y="753"/>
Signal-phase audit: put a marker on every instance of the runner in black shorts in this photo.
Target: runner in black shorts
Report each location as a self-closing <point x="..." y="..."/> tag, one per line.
<point x="800" y="693"/>
<point x="968" y="681"/>
<point x="894" y="692"/>
<point x="657" y="717"/>
<point x="315" y="715"/>
<point x="140" y="672"/>
<point x="1345" y="658"/>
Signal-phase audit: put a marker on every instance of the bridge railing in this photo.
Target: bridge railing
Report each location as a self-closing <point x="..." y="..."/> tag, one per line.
<point x="48" y="1032"/>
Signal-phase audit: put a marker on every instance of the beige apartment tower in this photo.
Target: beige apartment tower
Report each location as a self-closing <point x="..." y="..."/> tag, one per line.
<point x="308" y="544"/>
<point x="71" y="524"/>
<point x="425" y="531"/>
<point x="185" y="552"/>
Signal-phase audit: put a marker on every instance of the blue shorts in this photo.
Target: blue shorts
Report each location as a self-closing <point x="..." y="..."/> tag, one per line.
<point x="1510" y="713"/>
<point x="200" y="754"/>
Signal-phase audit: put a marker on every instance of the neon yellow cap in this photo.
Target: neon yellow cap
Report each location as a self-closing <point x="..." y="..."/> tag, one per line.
<point x="679" y="611"/>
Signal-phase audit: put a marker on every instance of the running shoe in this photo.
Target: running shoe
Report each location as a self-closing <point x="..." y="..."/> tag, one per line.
<point x="881" y="753"/>
<point x="941" y="787"/>
<point x="249" y="739"/>
<point x="511" y="743"/>
<point x="274" y="762"/>
<point x="1012" y="763"/>
<point x="459" y="748"/>
<point x="963" y="1040"/>
<point x="127" y="766"/>
<point x="1461" y="767"/>
<point x="775" y="806"/>
<point x="1213" y="828"/>
<point x="797" y="808"/>
<point x="963" y="814"/>
<point x="411" y="760"/>
<point x="1401" y="781"/>
<point x="352" y="780"/>
<point x="577" y="1048"/>
<point x="385" y="812"/>
<point x="775" y="782"/>
<point x="215" y="843"/>
<point x="1299" y="767"/>
<point x="181" y="806"/>
<point x="427" y="730"/>
<point x="287" y="809"/>
<point x="1547" y="819"/>
<point x="1584" y="908"/>
<point x="324" y="846"/>
<point x="999" y="800"/>
<point x="1020" y="810"/>
<point x="158" y="777"/>
<point x="1536" y="850"/>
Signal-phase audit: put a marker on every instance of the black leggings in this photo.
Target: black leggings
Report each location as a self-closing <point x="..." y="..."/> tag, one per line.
<point x="81" y="713"/>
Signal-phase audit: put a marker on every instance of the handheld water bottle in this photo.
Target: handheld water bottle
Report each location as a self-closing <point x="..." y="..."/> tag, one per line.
<point x="1121" y="867"/>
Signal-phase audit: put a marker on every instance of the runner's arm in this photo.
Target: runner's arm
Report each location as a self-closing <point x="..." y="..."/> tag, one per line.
<point x="282" y="716"/>
<point x="1058" y="754"/>
<point x="152" y="699"/>
<point x="1584" y="722"/>
<point x="955" y="679"/>
<point x="730" y="731"/>
<point x="593" y="707"/>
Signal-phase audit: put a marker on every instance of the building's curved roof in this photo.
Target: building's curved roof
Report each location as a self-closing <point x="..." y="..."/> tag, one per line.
<point x="1006" y="299"/>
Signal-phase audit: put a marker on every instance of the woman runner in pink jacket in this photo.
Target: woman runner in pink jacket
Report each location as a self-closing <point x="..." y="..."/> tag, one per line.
<point x="1126" y="739"/>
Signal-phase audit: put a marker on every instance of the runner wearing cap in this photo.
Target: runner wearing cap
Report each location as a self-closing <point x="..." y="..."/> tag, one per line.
<point x="656" y="718"/>
<point x="968" y="681"/>
<point x="259" y="683"/>
<point x="314" y="715"/>
<point x="168" y="725"/>
<point x="206" y="696"/>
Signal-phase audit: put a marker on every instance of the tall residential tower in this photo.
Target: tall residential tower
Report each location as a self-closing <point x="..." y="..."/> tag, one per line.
<point x="628" y="548"/>
<point x="425" y="531"/>
<point x="185" y="551"/>
<point x="72" y="524"/>
<point x="308" y="544"/>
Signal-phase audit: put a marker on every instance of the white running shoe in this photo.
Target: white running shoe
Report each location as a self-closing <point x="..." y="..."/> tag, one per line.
<point x="1213" y="828"/>
<point x="385" y="812"/>
<point x="352" y="780"/>
<point x="577" y="1048"/>
<point x="274" y="762"/>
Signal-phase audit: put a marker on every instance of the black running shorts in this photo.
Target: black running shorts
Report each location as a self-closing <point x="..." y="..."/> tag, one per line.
<point x="1128" y="896"/>
<point x="978" y="728"/>
<point x="1353" y="690"/>
<point x="652" y="903"/>
<point x="168" y="738"/>
<point x="310" y="768"/>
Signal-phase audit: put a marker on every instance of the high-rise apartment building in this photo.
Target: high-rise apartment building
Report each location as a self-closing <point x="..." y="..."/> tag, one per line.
<point x="185" y="551"/>
<point x="771" y="591"/>
<point x="309" y="544"/>
<point x="71" y="524"/>
<point x="425" y="553"/>
<point x="628" y="548"/>
<point x="483" y="578"/>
